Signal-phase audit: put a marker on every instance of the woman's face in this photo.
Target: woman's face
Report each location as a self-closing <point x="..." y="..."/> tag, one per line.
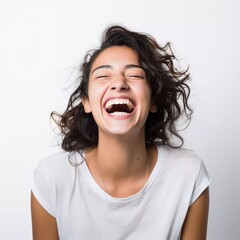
<point x="119" y="96"/>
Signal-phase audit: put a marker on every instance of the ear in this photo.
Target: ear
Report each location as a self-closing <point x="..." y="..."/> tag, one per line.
<point x="86" y="105"/>
<point x="153" y="107"/>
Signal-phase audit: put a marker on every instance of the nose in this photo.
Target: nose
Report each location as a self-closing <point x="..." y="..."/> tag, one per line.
<point x="119" y="84"/>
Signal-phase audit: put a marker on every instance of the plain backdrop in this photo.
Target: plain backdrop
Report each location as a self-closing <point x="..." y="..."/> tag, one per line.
<point x="43" y="41"/>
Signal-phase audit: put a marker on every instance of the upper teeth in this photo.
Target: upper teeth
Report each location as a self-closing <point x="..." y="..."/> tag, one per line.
<point x="111" y="102"/>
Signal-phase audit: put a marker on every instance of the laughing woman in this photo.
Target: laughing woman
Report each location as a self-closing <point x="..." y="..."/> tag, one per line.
<point x="120" y="174"/>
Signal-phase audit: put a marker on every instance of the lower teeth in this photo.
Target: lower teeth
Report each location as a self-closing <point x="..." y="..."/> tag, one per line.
<point x="119" y="113"/>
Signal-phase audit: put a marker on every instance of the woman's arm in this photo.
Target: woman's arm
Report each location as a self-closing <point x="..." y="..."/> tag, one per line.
<point x="195" y="224"/>
<point x="43" y="224"/>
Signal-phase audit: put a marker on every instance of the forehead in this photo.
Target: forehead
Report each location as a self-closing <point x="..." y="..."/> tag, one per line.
<point x="119" y="55"/>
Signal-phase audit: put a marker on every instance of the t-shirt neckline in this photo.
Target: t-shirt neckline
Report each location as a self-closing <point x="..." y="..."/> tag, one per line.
<point x="114" y="200"/>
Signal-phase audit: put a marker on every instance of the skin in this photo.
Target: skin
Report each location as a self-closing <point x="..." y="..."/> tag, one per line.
<point x="44" y="226"/>
<point x="195" y="224"/>
<point x="116" y="74"/>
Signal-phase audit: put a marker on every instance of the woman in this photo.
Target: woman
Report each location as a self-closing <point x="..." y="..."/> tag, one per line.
<point x="120" y="175"/>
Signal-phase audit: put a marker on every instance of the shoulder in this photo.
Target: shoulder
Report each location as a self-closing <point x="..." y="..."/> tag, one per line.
<point x="53" y="179"/>
<point x="185" y="169"/>
<point x="53" y="159"/>
<point x="182" y="162"/>
<point x="181" y="155"/>
<point x="54" y="162"/>
<point x="61" y="160"/>
<point x="57" y="167"/>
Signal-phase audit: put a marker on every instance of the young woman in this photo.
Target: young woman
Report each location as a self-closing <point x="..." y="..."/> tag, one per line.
<point x="120" y="175"/>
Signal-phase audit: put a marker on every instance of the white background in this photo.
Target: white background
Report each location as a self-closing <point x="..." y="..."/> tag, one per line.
<point x="41" y="41"/>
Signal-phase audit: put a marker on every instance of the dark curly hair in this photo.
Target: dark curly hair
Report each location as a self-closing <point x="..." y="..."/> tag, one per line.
<point x="170" y="93"/>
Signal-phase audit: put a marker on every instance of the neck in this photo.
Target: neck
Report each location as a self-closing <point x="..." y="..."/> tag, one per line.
<point x="119" y="158"/>
<point x="120" y="166"/>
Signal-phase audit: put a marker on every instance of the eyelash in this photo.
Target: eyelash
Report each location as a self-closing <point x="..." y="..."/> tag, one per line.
<point x="130" y="76"/>
<point x="103" y="76"/>
<point x="136" y="76"/>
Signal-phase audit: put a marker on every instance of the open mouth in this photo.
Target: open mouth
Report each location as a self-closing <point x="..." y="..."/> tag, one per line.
<point x="119" y="106"/>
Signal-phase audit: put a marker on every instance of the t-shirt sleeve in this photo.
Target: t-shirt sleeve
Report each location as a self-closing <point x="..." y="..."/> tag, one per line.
<point x="43" y="186"/>
<point x="201" y="183"/>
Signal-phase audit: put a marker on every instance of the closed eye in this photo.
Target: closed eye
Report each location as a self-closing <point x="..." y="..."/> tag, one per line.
<point x="102" y="76"/>
<point x="136" y="76"/>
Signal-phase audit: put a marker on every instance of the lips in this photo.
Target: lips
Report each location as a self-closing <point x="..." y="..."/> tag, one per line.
<point x="119" y="106"/>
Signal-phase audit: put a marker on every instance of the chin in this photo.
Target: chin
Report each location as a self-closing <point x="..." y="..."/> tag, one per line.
<point x="124" y="131"/>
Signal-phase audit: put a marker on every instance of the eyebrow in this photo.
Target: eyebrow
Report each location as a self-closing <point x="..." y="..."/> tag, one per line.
<point x="128" y="66"/>
<point x="102" y="66"/>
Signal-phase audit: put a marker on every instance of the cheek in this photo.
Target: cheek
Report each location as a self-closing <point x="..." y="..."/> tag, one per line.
<point x="95" y="98"/>
<point x="92" y="92"/>
<point x="144" y="92"/>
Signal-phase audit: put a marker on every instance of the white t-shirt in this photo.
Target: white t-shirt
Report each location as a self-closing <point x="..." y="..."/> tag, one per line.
<point x="85" y="211"/>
